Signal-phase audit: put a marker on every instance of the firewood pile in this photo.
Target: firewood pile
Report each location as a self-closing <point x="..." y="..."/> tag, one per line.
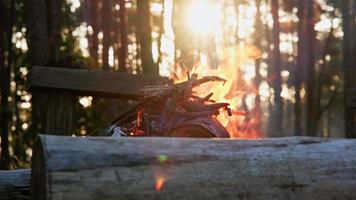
<point x="174" y="111"/>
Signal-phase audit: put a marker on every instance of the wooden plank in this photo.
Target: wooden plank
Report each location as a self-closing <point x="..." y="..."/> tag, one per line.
<point x="185" y="168"/>
<point x="92" y="82"/>
<point x="15" y="184"/>
<point x="351" y="98"/>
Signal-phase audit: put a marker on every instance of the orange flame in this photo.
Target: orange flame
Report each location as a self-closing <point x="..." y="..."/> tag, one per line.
<point x="237" y="67"/>
<point x="139" y="117"/>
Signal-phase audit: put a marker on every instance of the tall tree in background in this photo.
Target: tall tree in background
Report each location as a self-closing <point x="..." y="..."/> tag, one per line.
<point x="4" y="90"/>
<point x="276" y="119"/>
<point x="144" y="36"/>
<point x="93" y="21"/>
<point x="123" y="37"/>
<point x="161" y="32"/>
<point x="299" y="68"/>
<point x="107" y="16"/>
<point x="258" y="78"/>
<point x="37" y="34"/>
<point x="54" y="10"/>
<point x="311" y="122"/>
<point x="349" y="62"/>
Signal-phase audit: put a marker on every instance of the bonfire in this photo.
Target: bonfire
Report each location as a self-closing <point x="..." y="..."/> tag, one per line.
<point x="174" y="110"/>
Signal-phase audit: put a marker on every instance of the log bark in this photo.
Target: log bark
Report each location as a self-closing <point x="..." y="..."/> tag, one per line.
<point x="186" y="168"/>
<point x="15" y="184"/>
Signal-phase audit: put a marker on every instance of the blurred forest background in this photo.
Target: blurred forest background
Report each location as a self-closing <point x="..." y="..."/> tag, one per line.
<point x="289" y="61"/>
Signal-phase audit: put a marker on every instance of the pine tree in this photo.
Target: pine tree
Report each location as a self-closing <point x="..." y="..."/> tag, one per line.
<point x="276" y="118"/>
<point x="349" y="60"/>
<point x="144" y="36"/>
<point x="298" y="72"/>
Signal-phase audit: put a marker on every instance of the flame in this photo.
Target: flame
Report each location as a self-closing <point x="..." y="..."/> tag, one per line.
<point x="237" y="67"/>
<point x="139" y="117"/>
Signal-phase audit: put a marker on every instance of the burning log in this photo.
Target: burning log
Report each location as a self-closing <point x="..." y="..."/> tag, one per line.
<point x="186" y="168"/>
<point x="174" y="110"/>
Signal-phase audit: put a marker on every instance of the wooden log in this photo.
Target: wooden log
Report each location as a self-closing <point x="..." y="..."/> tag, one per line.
<point x="185" y="168"/>
<point x="92" y="82"/>
<point x="203" y="127"/>
<point x="351" y="98"/>
<point x="15" y="184"/>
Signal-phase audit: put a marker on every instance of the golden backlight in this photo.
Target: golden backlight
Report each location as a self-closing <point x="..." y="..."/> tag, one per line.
<point x="202" y="16"/>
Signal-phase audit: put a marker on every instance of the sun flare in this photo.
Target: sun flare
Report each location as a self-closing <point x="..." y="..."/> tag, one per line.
<point x="203" y="16"/>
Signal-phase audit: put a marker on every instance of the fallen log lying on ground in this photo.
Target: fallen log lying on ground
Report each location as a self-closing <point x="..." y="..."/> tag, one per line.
<point x="15" y="184"/>
<point x="185" y="168"/>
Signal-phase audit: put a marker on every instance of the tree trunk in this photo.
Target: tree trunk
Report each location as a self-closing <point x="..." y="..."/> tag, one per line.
<point x="161" y="32"/>
<point x="59" y="116"/>
<point x="299" y="69"/>
<point x="4" y="90"/>
<point x="37" y="33"/>
<point x="311" y="123"/>
<point x="15" y="184"/>
<point x="171" y="168"/>
<point x="276" y="118"/>
<point x="258" y="78"/>
<point x="93" y="36"/>
<point x="349" y="63"/>
<point x="144" y="37"/>
<point x="54" y="10"/>
<point x="107" y="29"/>
<point x="123" y="37"/>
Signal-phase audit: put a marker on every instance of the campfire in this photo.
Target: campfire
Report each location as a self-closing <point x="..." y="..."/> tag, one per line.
<point x="215" y="105"/>
<point x="177" y="110"/>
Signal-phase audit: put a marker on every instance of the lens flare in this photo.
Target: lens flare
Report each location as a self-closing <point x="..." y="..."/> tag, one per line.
<point x="159" y="183"/>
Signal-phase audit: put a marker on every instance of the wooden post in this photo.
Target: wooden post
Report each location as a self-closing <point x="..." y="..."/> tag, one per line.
<point x="59" y="113"/>
<point x="171" y="168"/>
